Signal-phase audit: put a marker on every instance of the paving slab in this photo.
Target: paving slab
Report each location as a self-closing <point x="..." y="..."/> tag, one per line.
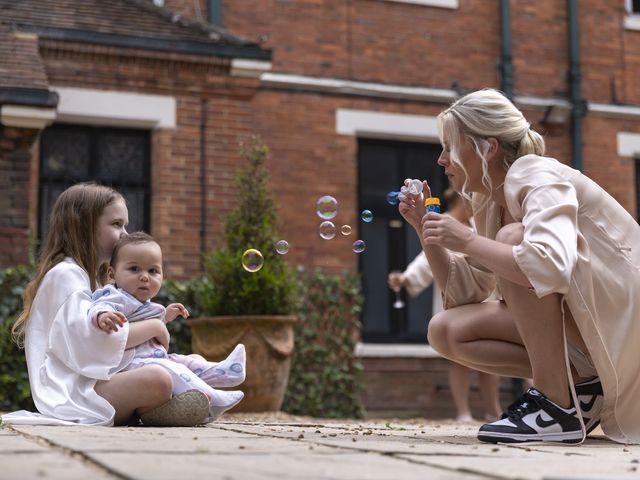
<point x="307" y="448"/>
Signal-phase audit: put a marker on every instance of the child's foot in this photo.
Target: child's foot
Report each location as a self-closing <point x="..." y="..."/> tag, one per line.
<point x="230" y="372"/>
<point x="222" y="401"/>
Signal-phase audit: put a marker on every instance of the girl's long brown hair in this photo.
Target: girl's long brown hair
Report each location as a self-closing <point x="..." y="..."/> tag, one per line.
<point x="72" y="227"/>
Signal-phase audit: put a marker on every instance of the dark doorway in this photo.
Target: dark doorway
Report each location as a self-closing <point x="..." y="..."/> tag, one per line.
<point x="391" y="242"/>
<point x="118" y="158"/>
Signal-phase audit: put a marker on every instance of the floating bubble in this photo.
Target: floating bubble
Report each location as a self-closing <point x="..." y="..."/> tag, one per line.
<point x="392" y="198"/>
<point x="415" y="187"/>
<point x="252" y="260"/>
<point x="282" y="247"/>
<point x="367" y="216"/>
<point x="359" y="246"/>
<point x="327" y="230"/>
<point x="345" y="230"/>
<point x="327" y="207"/>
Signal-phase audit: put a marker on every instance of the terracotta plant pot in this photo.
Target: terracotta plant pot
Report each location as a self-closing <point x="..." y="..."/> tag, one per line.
<point x="268" y="340"/>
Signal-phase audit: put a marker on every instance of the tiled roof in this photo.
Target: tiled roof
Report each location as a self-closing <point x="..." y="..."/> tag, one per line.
<point x="138" y="18"/>
<point x="134" y="24"/>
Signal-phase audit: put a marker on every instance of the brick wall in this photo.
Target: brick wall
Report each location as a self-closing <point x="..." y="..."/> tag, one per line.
<point x="418" y="387"/>
<point x="364" y="40"/>
<point x="176" y="154"/>
<point x="15" y="165"/>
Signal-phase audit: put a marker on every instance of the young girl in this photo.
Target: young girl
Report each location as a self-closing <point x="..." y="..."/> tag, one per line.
<point x="75" y="372"/>
<point x="135" y="276"/>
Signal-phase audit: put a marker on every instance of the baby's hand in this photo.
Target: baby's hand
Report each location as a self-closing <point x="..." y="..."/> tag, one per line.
<point x="176" y="310"/>
<point x="110" y="321"/>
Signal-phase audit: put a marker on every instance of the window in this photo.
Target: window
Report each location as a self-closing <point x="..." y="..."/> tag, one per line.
<point x="632" y="19"/>
<point x="118" y="158"/>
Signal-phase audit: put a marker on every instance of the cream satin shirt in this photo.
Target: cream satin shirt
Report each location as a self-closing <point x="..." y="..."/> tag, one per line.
<point x="581" y="243"/>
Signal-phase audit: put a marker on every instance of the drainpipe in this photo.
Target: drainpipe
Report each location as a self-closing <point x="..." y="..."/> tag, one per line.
<point x="506" y="60"/>
<point x="215" y="12"/>
<point x="578" y="107"/>
<point x="203" y="183"/>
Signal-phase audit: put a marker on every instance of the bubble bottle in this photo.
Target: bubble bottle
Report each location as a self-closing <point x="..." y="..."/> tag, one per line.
<point x="432" y="204"/>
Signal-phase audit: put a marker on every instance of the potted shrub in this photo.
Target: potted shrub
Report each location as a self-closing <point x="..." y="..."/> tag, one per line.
<point x="254" y="308"/>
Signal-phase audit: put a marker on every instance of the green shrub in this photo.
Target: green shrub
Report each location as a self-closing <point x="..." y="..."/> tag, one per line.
<point x="226" y="288"/>
<point x="174" y="291"/>
<point x="15" y="392"/>
<point x="325" y="378"/>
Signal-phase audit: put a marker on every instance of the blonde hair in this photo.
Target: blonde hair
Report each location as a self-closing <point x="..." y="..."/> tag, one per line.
<point x="72" y="227"/>
<point x="484" y="114"/>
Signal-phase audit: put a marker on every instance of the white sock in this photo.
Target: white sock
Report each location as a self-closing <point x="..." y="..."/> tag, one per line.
<point x="230" y="372"/>
<point x="222" y="401"/>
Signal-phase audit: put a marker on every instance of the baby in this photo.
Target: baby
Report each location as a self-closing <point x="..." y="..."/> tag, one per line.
<point x="135" y="276"/>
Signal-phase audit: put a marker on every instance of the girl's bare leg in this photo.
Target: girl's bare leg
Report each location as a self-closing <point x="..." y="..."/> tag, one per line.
<point x="136" y="391"/>
<point x="459" y="384"/>
<point x="490" y="394"/>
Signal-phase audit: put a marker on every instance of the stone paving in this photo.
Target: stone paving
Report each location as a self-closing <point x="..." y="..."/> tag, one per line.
<point x="241" y="447"/>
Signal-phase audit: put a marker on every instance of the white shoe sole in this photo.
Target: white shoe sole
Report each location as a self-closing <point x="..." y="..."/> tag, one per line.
<point x="499" y="437"/>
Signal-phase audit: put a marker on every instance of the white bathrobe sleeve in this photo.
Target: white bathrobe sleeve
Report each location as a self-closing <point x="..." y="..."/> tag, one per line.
<point x="76" y="342"/>
<point x="418" y="275"/>
<point x="66" y="355"/>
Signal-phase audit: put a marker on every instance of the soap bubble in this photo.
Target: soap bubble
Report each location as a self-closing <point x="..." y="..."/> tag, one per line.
<point x="252" y="260"/>
<point x="415" y="187"/>
<point x="327" y="230"/>
<point x="282" y="247"/>
<point x="359" y="246"/>
<point x="392" y="198"/>
<point x="327" y="207"/>
<point x="345" y="230"/>
<point x="367" y="216"/>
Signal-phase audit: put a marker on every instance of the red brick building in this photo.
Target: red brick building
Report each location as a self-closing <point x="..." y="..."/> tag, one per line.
<point x="344" y="92"/>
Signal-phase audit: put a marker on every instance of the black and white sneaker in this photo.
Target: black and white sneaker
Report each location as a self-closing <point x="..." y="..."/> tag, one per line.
<point x="534" y="418"/>
<point x="590" y="399"/>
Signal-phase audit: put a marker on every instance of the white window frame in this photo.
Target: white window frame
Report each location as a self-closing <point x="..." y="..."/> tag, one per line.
<point x="84" y="106"/>
<point x="389" y="126"/>
<point x="632" y="19"/>
<point x="453" y="4"/>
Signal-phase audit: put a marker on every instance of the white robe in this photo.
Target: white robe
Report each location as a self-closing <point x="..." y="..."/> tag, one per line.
<point x="66" y="355"/>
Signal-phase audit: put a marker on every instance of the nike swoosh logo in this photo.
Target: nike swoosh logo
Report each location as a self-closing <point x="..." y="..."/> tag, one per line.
<point x="544" y="423"/>
<point x="585" y="407"/>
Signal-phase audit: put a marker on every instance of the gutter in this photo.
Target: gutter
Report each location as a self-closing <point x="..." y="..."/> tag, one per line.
<point x="506" y="57"/>
<point x="248" y="51"/>
<point x="578" y="105"/>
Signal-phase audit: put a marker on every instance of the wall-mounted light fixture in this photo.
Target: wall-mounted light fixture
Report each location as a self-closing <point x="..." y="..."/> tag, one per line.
<point x="556" y="114"/>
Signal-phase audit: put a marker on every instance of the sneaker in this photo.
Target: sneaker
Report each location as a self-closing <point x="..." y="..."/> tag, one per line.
<point x="186" y="409"/>
<point x="534" y="418"/>
<point x="590" y="400"/>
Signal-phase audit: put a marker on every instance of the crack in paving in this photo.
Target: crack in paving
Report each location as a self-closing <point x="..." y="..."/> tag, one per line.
<point x="393" y="454"/>
<point x="71" y="453"/>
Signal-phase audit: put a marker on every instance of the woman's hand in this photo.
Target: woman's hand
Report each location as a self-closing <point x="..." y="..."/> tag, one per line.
<point x="396" y="281"/>
<point x="411" y="206"/>
<point x="445" y="231"/>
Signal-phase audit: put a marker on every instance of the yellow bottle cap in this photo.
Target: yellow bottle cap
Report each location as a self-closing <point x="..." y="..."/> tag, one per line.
<point x="431" y="201"/>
